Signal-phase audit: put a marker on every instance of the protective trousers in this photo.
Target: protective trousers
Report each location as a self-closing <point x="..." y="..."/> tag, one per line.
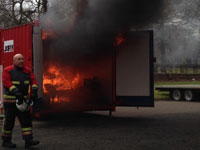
<point x="25" y="120"/>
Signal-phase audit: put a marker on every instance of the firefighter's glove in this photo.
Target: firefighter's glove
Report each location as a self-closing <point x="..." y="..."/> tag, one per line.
<point x="34" y="92"/>
<point x="18" y="95"/>
<point x="30" y="102"/>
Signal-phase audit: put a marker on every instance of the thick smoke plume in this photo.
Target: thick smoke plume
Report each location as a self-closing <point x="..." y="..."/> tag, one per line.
<point x="85" y="27"/>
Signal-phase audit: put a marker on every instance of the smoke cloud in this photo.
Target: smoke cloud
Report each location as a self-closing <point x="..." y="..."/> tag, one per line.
<point x="177" y="39"/>
<point x="86" y="28"/>
<point x="176" y="46"/>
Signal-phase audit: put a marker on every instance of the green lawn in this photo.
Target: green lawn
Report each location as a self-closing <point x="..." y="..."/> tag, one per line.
<point x="165" y="95"/>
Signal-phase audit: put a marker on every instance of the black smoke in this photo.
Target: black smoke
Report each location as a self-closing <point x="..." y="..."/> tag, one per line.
<point x="96" y="26"/>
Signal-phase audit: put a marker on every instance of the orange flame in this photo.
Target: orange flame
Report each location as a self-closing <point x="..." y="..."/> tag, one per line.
<point x="58" y="79"/>
<point x="47" y="34"/>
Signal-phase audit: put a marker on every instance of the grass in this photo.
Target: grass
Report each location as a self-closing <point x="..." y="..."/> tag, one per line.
<point x="165" y="95"/>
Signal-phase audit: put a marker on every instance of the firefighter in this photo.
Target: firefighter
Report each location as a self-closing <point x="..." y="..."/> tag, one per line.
<point x="18" y="81"/>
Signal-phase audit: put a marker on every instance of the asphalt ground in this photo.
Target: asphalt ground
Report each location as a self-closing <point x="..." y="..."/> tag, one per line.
<point x="169" y="125"/>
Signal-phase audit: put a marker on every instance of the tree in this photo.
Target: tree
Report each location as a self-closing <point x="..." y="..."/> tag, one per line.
<point x="179" y="33"/>
<point x="61" y="14"/>
<point x="16" y="12"/>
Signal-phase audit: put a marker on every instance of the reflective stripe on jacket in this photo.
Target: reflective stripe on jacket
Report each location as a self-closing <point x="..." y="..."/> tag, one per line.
<point x="21" y="78"/>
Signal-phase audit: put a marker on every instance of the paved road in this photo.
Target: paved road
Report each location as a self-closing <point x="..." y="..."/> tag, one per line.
<point x="168" y="126"/>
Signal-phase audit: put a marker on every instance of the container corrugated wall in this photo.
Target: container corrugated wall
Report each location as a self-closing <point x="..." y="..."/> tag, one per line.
<point x="16" y="40"/>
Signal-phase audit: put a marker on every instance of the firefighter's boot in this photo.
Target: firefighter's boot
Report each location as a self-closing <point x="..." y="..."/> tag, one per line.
<point x="8" y="144"/>
<point x="31" y="142"/>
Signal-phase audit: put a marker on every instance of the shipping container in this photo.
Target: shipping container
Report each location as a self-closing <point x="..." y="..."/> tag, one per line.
<point x="16" y="40"/>
<point x="126" y="79"/>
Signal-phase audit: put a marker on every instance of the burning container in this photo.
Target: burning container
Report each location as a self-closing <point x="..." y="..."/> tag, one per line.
<point x="120" y="76"/>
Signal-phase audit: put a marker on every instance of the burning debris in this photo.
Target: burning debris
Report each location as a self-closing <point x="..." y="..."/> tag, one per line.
<point x="79" y="45"/>
<point x="55" y="80"/>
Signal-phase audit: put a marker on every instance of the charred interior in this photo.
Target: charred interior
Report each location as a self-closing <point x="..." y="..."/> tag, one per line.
<point x="87" y="82"/>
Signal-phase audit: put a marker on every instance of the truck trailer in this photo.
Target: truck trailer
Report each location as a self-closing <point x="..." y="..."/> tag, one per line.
<point x="181" y="92"/>
<point x="120" y="76"/>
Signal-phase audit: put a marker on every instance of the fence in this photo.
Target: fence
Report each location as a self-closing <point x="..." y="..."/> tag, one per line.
<point x="178" y="69"/>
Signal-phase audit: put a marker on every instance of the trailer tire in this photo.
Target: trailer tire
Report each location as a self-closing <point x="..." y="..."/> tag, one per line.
<point x="176" y="94"/>
<point x="188" y="95"/>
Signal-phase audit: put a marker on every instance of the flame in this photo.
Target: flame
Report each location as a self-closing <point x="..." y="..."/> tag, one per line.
<point x="119" y="39"/>
<point x="57" y="79"/>
<point x="47" y="34"/>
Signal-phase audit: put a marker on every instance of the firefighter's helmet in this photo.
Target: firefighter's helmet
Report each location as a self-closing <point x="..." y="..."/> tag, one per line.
<point x="25" y="106"/>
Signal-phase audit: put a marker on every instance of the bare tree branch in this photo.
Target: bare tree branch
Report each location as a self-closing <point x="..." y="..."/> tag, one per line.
<point x="16" y="12"/>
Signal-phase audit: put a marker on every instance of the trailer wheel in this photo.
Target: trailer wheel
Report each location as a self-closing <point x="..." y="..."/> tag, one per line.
<point x="188" y="95"/>
<point x="176" y="95"/>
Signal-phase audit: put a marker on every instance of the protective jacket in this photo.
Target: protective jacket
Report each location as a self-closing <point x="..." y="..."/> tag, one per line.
<point x="21" y="78"/>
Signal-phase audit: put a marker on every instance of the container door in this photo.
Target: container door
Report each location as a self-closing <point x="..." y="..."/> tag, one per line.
<point x="134" y="70"/>
<point x="16" y="40"/>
